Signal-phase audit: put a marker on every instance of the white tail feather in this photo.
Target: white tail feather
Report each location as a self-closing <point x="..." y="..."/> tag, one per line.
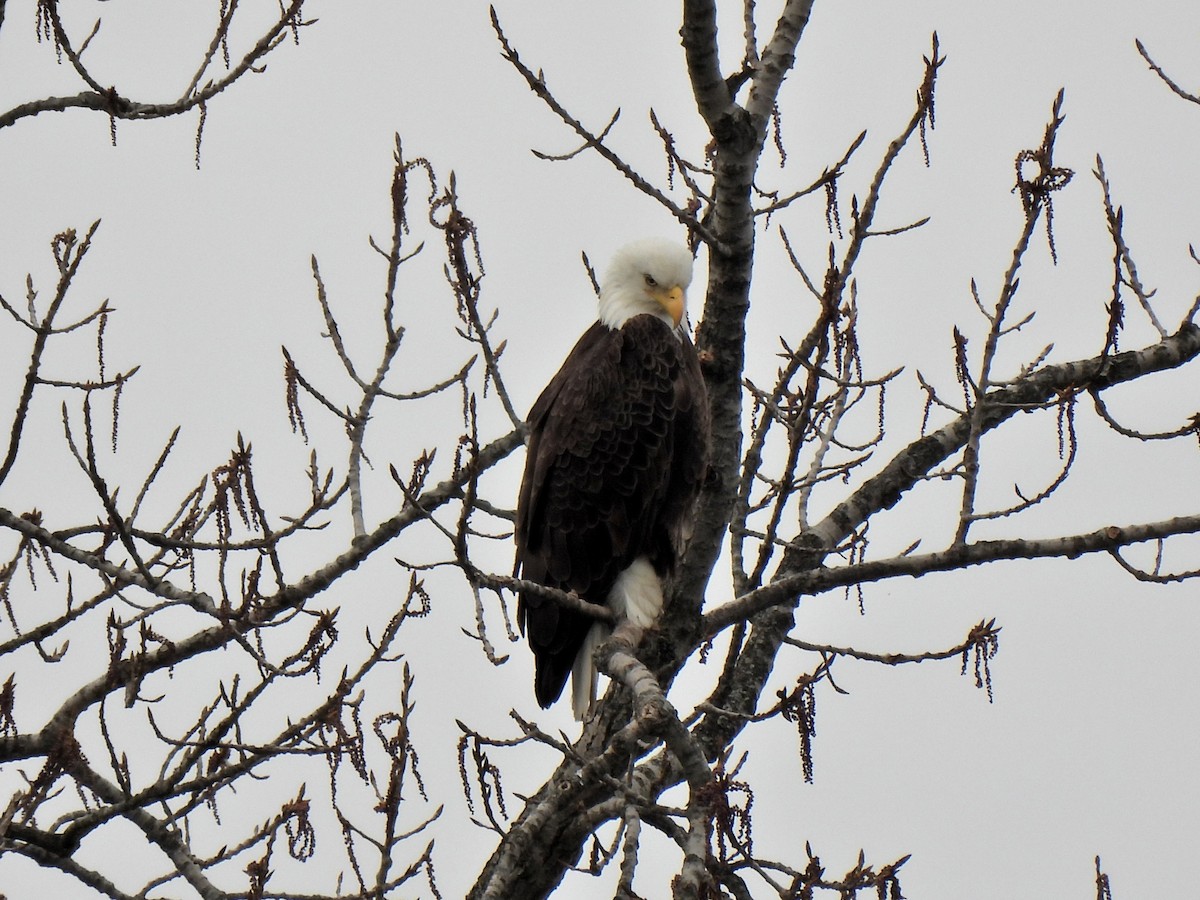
<point x="583" y="672"/>
<point x="636" y="595"/>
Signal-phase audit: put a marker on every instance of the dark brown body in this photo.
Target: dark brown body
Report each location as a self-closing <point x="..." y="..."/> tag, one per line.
<point x="617" y="450"/>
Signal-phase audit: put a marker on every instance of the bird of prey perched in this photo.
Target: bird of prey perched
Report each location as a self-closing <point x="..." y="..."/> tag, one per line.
<point x="617" y="450"/>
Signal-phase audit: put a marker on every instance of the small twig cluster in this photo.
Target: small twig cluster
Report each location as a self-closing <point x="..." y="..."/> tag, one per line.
<point x="204" y="85"/>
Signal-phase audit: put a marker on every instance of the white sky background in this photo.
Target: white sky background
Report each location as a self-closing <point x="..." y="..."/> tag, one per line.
<point x="1090" y="746"/>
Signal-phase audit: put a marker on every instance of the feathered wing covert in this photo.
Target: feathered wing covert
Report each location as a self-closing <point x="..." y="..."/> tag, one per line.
<point x="617" y="449"/>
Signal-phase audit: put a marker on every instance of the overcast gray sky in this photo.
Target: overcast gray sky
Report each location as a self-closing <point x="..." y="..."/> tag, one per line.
<point x="1091" y="744"/>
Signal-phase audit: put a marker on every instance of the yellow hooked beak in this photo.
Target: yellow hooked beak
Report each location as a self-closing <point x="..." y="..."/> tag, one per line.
<point x="671" y="299"/>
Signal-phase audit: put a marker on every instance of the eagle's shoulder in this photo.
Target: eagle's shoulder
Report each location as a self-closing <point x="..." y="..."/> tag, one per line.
<point x="597" y="348"/>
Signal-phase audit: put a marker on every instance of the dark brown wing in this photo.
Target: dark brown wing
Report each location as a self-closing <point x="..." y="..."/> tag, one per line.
<point x="690" y="449"/>
<point x="601" y="487"/>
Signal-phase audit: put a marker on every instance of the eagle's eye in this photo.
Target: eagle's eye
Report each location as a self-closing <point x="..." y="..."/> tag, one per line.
<point x="650" y="282"/>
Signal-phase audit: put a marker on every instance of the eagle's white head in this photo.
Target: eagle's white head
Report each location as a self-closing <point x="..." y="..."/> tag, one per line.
<point x="647" y="276"/>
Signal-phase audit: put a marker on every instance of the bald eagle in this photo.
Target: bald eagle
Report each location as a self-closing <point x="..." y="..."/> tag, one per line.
<point x="616" y="452"/>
